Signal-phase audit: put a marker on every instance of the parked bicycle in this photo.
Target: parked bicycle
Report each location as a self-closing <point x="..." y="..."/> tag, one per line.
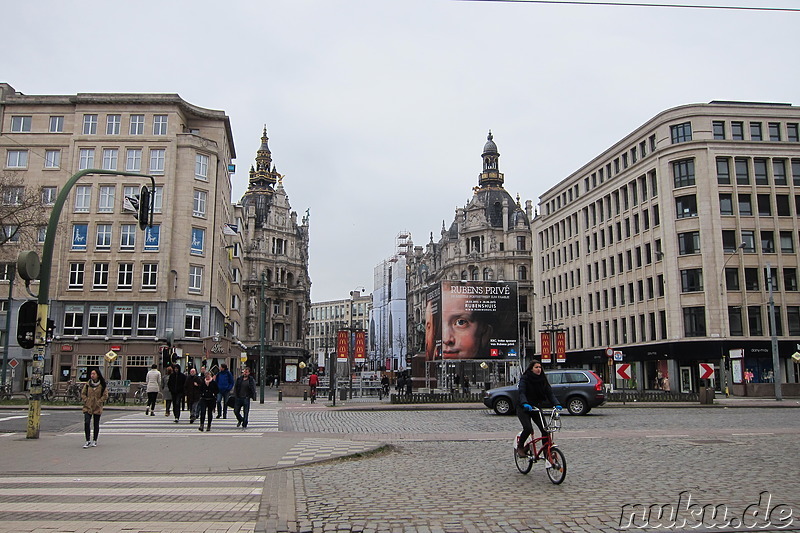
<point x="537" y="449"/>
<point x="140" y="396"/>
<point x="47" y="392"/>
<point x="5" y="391"/>
<point x="73" y="392"/>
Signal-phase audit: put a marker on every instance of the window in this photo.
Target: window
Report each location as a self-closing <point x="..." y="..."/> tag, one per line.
<point x="764" y="205"/>
<point x="791" y="132"/>
<point x="11" y="233"/>
<point x="683" y="172"/>
<point x="149" y="276"/>
<point x="192" y="324"/>
<point x="20" y="124"/>
<point x="110" y="157"/>
<point x="755" y="131"/>
<point x="790" y="279"/>
<point x="201" y="167"/>
<point x="198" y="241"/>
<point x="157" y="156"/>
<point x="760" y="171"/>
<point x="134" y="160"/>
<point x="737" y="131"/>
<point x="98" y="320"/>
<point x="749" y="241"/>
<point x="718" y="127"/>
<point x="755" y="321"/>
<point x="123" y="320"/>
<point x="793" y="319"/>
<point x="125" y="276"/>
<point x="199" y="203"/>
<point x="159" y="124"/>
<point x="80" y="234"/>
<point x="86" y="159"/>
<point x="521" y="242"/>
<point x="745" y="205"/>
<point x="127" y="239"/>
<point x="787" y="243"/>
<point x="751" y="279"/>
<point x="768" y="242"/>
<point x="195" y="278"/>
<point x="686" y="206"/>
<point x="726" y="204"/>
<point x="681" y="132"/>
<point x="522" y="272"/>
<point x="735" y="321"/>
<point x="17" y="159"/>
<point x="692" y="280"/>
<point x="83" y="198"/>
<point x="106" y="199"/>
<point x="103" y="237"/>
<point x="779" y="171"/>
<point x="13" y="195"/>
<point x="100" y="280"/>
<point x="76" y="274"/>
<point x="89" y="124"/>
<point x="56" y="124"/>
<point x="774" y="131"/>
<point x="732" y="278"/>
<point x="694" y="321"/>
<point x="147" y="320"/>
<point x="796" y="171"/>
<point x="742" y="171"/>
<point x="137" y="125"/>
<point x="73" y="320"/>
<point x="113" y="123"/>
<point x="52" y="158"/>
<point x="723" y="171"/>
<point x="49" y="195"/>
<point x="782" y="205"/>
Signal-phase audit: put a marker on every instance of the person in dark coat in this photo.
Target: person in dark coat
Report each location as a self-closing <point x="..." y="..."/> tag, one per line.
<point x="192" y="391"/>
<point x="534" y="392"/>
<point x="208" y="399"/>
<point x="176" y="383"/>
<point x="244" y="390"/>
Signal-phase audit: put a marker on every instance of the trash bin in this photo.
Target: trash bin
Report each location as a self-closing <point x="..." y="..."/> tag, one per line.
<point x="706" y="396"/>
<point x="343" y="394"/>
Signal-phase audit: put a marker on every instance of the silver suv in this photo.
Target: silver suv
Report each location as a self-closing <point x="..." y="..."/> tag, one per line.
<point x="577" y="390"/>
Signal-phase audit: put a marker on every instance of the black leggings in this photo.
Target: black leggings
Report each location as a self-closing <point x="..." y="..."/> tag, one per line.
<point x="525" y="418"/>
<point x="151" y="400"/>
<point x="207" y="408"/>
<point x="87" y="419"/>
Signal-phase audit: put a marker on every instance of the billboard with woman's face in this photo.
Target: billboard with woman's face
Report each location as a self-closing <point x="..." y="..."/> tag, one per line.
<point x="472" y="320"/>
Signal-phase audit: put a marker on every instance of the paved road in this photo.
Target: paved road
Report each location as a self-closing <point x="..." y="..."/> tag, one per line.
<point x="444" y="471"/>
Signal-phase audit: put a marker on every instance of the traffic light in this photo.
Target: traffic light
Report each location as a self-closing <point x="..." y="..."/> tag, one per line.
<point x="144" y="209"/>
<point x="51" y="329"/>
<point x="26" y="324"/>
<point x="165" y="356"/>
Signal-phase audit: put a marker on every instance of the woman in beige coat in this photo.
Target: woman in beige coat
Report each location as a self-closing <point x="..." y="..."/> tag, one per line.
<point x="94" y="394"/>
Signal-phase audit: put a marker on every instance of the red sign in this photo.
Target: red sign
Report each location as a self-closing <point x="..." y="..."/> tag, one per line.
<point x="117" y="348"/>
<point x="343" y="345"/>
<point x="561" y="346"/>
<point x="624" y="370"/>
<point x="546" y="349"/>
<point x="13" y="363"/>
<point x="66" y="347"/>
<point x="360" y="349"/>
<point x="706" y="371"/>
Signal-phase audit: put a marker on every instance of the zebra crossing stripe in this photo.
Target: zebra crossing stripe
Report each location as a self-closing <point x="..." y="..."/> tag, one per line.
<point x="149" y="480"/>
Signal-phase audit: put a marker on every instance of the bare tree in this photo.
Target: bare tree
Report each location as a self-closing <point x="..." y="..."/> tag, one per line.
<point x="22" y="215"/>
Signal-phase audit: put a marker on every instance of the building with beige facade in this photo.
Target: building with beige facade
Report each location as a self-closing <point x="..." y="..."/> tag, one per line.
<point x="669" y="246"/>
<point x="115" y="287"/>
<point x="330" y="317"/>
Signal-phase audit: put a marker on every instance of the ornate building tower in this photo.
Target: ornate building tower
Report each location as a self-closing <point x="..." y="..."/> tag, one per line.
<point x="275" y="281"/>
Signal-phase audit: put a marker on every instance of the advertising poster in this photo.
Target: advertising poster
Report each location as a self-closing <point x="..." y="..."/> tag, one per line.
<point x="342" y="345"/>
<point x="472" y="320"/>
<point x="360" y="348"/>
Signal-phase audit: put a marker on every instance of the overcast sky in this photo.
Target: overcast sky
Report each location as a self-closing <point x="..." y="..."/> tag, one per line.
<point x="377" y="111"/>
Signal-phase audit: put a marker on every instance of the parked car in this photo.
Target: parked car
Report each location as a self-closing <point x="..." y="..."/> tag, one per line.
<point x="577" y="390"/>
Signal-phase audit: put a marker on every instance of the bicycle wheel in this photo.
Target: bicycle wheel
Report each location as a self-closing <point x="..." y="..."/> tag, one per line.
<point x="47" y="395"/>
<point x="558" y="466"/>
<point x="524" y="464"/>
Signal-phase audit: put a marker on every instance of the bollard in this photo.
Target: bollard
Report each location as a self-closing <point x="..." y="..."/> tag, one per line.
<point x="343" y="394"/>
<point x="305" y="395"/>
<point x="280" y="395"/>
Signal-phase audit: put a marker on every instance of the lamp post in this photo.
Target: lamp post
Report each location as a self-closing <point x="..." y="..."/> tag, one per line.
<point x="725" y="320"/>
<point x="262" y="356"/>
<point x="776" y="361"/>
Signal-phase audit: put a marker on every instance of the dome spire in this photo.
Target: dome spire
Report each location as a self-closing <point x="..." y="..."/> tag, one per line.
<point x="491" y="175"/>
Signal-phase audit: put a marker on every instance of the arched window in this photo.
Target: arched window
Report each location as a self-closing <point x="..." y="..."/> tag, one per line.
<point x="475" y="274"/>
<point x="522" y="272"/>
<point x="487" y="274"/>
<point x="464" y="274"/>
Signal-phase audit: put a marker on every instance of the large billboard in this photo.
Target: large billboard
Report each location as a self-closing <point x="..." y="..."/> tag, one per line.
<point x="472" y="320"/>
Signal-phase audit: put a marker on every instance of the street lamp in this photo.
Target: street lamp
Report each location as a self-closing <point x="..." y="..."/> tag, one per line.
<point x="262" y="330"/>
<point x="725" y="319"/>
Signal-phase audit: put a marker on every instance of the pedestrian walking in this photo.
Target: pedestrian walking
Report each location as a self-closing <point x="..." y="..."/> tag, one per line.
<point x="94" y="394"/>
<point x="165" y="392"/>
<point x="225" y="385"/>
<point x="192" y="391"/>
<point x="465" y="385"/>
<point x="409" y="385"/>
<point x="153" y="383"/>
<point x="177" y="383"/>
<point x="208" y="399"/>
<point x="244" y="390"/>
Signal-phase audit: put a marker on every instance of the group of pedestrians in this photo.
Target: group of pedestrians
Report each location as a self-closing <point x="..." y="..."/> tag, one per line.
<point x="202" y="394"/>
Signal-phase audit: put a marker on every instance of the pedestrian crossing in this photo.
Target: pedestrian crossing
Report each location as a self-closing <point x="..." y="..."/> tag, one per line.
<point x="261" y="420"/>
<point x="68" y="503"/>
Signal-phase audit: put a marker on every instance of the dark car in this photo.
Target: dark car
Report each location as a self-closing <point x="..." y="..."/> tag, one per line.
<point x="577" y="390"/>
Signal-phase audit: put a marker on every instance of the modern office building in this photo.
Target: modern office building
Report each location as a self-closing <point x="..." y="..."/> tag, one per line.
<point x="274" y="280"/>
<point x="671" y="244"/>
<point x="488" y="240"/>
<point x="116" y="288"/>
<point x="390" y="348"/>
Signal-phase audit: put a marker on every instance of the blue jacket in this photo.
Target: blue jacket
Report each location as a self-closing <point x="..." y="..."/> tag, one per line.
<point x="225" y="381"/>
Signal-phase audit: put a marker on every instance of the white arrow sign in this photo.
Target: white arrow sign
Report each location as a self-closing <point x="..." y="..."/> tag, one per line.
<point x="706" y="371"/>
<point x="624" y="371"/>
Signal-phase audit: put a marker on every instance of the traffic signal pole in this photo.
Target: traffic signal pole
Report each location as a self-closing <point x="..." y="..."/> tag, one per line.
<point x="37" y="375"/>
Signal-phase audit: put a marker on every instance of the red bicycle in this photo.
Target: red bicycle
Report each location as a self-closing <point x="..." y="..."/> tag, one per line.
<point x="536" y="449"/>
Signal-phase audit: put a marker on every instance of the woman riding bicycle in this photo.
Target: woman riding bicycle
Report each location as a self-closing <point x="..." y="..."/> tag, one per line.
<point x="534" y="392"/>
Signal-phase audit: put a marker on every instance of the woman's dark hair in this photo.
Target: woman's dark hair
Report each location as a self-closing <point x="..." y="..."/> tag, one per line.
<point x="530" y="366"/>
<point x="101" y="379"/>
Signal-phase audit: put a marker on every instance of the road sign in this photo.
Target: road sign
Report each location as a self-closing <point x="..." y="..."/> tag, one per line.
<point x="609" y="351"/>
<point x="706" y="371"/>
<point x="624" y="371"/>
<point x="617" y="355"/>
<point x="13" y="363"/>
